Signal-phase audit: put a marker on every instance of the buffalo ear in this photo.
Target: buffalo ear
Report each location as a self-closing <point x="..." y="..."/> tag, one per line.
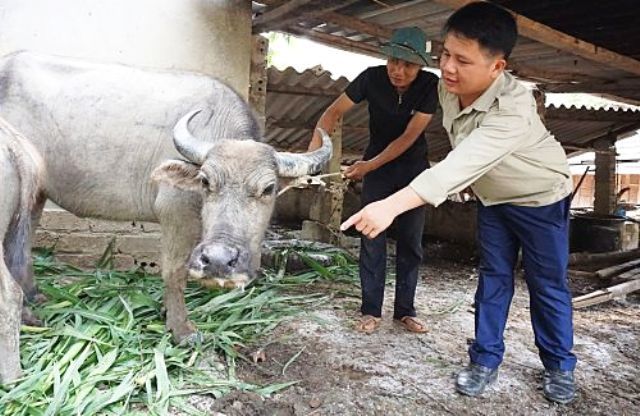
<point x="179" y="174"/>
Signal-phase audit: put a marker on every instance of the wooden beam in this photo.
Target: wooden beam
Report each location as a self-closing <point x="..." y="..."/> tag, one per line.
<point x="615" y="87"/>
<point x="294" y="11"/>
<point x="266" y="21"/>
<point x="338" y="42"/>
<point x="581" y="148"/>
<point x="590" y="142"/>
<point x="544" y="34"/>
<point x="305" y="91"/>
<point x="584" y="259"/>
<point x="359" y="25"/>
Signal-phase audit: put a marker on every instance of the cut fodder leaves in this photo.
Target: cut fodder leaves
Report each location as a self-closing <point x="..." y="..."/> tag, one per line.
<point x="104" y="349"/>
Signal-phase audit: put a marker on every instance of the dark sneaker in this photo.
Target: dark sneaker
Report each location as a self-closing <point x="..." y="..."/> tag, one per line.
<point x="473" y="379"/>
<point x="559" y="386"/>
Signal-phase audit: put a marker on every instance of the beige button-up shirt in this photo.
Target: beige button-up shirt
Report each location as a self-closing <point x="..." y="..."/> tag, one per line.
<point x="500" y="148"/>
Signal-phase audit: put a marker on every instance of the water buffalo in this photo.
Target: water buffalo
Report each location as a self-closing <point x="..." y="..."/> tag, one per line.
<point x="104" y="132"/>
<point x="21" y="179"/>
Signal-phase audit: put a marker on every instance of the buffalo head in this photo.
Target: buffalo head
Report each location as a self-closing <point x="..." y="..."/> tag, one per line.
<point x="238" y="181"/>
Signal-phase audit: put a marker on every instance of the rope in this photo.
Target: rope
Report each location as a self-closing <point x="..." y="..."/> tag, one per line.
<point x="308" y="180"/>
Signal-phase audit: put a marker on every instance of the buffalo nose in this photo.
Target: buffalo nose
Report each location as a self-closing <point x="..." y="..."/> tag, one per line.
<point x="218" y="258"/>
<point x="228" y="258"/>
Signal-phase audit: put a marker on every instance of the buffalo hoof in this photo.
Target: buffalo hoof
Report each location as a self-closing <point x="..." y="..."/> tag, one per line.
<point x="187" y="334"/>
<point x="29" y="318"/>
<point x="192" y="340"/>
<point x="39" y="299"/>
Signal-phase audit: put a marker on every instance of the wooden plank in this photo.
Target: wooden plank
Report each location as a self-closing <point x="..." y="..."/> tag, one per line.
<point x="336" y="157"/>
<point x="611" y="271"/>
<point x="295" y="11"/>
<point x="596" y="258"/>
<point x="581" y="274"/>
<point x="544" y="34"/>
<point x="605" y="295"/>
<point x="629" y="274"/>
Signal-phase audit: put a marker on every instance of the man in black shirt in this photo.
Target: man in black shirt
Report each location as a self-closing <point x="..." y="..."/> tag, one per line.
<point x="402" y="99"/>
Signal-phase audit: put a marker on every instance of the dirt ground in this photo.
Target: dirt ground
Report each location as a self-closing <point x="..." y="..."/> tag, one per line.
<point x="393" y="372"/>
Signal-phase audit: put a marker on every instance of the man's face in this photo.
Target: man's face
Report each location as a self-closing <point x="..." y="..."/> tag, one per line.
<point x="467" y="68"/>
<point x="401" y="73"/>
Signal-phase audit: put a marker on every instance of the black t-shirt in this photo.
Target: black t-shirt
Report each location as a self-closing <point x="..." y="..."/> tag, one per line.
<point x="390" y="113"/>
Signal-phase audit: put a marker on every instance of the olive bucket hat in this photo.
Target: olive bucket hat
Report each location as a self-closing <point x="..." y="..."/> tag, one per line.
<point x="408" y="44"/>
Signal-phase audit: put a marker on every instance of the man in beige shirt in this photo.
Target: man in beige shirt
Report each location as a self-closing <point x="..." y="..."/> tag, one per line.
<point x="520" y="174"/>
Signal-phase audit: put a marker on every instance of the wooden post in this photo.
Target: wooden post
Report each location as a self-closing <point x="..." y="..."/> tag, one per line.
<point x="258" y="78"/>
<point x="325" y="213"/>
<point x="336" y="141"/>
<point x="605" y="177"/>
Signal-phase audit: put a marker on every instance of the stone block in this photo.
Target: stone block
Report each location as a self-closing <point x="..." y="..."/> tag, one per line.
<point x="150" y="227"/>
<point x="60" y="220"/>
<point x="83" y="261"/>
<point x="150" y="262"/>
<point x="124" y="262"/>
<point x="132" y="244"/>
<point x="45" y="239"/>
<point x="116" y="227"/>
<point x="83" y="243"/>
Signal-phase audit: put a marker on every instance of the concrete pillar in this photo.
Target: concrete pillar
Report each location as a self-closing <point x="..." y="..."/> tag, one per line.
<point x="212" y="36"/>
<point x="325" y="213"/>
<point x="605" y="177"/>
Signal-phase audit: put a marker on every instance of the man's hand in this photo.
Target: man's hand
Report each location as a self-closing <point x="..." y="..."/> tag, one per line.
<point x="377" y="216"/>
<point x="357" y="171"/>
<point x="372" y="219"/>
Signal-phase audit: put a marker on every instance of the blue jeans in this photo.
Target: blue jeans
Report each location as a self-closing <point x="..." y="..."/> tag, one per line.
<point x="543" y="235"/>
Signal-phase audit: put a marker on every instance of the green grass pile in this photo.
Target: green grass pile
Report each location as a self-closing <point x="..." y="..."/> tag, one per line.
<point x="103" y="348"/>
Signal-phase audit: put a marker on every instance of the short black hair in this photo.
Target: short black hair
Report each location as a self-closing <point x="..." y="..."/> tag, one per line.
<point x="493" y="27"/>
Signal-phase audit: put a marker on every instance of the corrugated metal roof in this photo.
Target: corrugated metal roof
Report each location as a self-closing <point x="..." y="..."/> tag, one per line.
<point x="610" y="25"/>
<point x="295" y="102"/>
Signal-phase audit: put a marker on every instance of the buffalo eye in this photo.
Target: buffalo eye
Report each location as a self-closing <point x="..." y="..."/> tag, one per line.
<point x="204" y="180"/>
<point x="268" y="191"/>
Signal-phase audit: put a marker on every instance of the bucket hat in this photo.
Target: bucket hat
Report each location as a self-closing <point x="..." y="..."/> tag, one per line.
<point x="408" y="44"/>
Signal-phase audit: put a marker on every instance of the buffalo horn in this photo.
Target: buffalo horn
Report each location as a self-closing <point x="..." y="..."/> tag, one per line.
<point x="192" y="148"/>
<point x="293" y="165"/>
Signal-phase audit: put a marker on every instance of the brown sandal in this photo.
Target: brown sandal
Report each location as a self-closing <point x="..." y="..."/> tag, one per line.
<point x="368" y="324"/>
<point x="413" y="324"/>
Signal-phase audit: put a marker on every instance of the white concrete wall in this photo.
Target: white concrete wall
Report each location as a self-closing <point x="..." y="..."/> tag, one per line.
<point x="211" y="36"/>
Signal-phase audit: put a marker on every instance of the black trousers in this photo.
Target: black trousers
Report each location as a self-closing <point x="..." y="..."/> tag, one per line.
<point x="408" y="229"/>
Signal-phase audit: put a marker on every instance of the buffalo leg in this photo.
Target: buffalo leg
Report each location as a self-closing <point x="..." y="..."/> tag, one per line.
<point x="25" y="277"/>
<point x="10" y="311"/>
<point x="179" y="216"/>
